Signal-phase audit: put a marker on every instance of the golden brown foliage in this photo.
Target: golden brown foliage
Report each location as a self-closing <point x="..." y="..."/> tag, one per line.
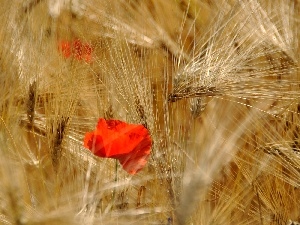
<point x="215" y="82"/>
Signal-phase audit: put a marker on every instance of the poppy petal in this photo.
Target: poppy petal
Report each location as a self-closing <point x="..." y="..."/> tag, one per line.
<point x="94" y="143"/>
<point x="136" y="161"/>
<point x="118" y="137"/>
<point x="77" y="49"/>
<point x="87" y="52"/>
<point x="65" y="48"/>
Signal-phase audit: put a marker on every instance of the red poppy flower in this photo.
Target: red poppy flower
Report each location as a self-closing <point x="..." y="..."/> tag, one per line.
<point x="129" y="143"/>
<point x="78" y="49"/>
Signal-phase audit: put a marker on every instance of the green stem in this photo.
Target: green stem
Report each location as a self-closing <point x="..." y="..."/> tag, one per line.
<point x="116" y="180"/>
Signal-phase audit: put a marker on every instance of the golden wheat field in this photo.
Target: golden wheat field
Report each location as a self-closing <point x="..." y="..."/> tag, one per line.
<point x="216" y="83"/>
